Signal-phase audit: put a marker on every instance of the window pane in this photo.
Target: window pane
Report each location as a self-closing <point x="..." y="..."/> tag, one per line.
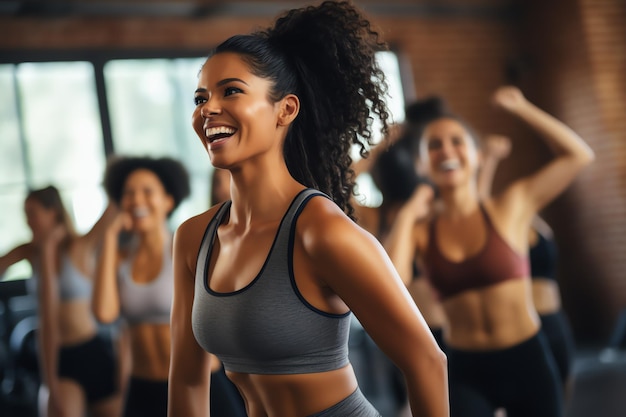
<point x="150" y="103"/>
<point x="13" y="230"/>
<point x="11" y="157"/>
<point x="140" y="96"/>
<point x="388" y="62"/>
<point x="63" y="134"/>
<point x="369" y="195"/>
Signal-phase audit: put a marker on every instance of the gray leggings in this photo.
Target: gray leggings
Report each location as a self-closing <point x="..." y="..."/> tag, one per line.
<point x="354" y="405"/>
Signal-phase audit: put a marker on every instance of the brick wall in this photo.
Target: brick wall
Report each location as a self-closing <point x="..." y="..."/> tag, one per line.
<point x="577" y="69"/>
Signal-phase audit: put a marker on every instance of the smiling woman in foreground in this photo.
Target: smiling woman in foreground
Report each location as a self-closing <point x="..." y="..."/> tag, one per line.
<point x="268" y="280"/>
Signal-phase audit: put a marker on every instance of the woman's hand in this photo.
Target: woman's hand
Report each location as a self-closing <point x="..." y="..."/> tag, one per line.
<point x="497" y="146"/>
<point x="509" y="98"/>
<point x="419" y="205"/>
<point x="55" y="236"/>
<point x="122" y="222"/>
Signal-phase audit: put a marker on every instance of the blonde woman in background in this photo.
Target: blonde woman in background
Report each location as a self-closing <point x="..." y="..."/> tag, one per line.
<point x="77" y="363"/>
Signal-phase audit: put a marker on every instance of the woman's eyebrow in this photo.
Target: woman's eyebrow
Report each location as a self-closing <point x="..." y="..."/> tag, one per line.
<point x="230" y="80"/>
<point x="221" y="83"/>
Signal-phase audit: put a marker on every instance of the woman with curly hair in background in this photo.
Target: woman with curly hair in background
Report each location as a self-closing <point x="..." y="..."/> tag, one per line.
<point x="134" y="279"/>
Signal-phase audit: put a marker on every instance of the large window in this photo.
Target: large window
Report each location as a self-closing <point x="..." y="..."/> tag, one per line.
<point x="150" y="103"/>
<point x="53" y="137"/>
<point x="51" y="132"/>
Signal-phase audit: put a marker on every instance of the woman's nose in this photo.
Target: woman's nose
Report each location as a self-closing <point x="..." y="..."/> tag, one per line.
<point x="210" y="108"/>
<point x="447" y="148"/>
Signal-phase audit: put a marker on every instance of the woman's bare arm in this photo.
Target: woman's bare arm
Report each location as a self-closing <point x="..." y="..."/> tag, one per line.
<point x="14" y="256"/>
<point x="355" y="266"/>
<point x="48" y="293"/>
<point x="190" y="365"/>
<point x="571" y="153"/>
<point x="497" y="148"/>
<point x="94" y="236"/>
<point x="400" y="243"/>
<point x="105" y="299"/>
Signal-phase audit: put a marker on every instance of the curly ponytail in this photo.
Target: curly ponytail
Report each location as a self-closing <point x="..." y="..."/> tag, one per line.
<point x="326" y="56"/>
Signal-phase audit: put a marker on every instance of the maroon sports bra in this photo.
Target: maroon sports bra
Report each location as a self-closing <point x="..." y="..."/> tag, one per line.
<point x="496" y="262"/>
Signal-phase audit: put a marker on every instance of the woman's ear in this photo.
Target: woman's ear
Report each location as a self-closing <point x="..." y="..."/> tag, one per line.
<point x="289" y="108"/>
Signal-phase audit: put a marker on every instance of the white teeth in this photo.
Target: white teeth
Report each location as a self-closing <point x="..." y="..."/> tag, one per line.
<point x="140" y="212"/>
<point x="212" y="131"/>
<point x="450" y="164"/>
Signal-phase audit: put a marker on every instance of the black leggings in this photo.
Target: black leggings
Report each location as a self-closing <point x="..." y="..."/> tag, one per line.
<point x="438" y="335"/>
<point x="522" y="379"/>
<point x="558" y="332"/>
<point x="91" y="364"/>
<point x="225" y="398"/>
<point x="146" y="398"/>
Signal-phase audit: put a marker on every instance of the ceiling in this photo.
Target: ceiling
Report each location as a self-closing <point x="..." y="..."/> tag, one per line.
<point x="203" y="8"/>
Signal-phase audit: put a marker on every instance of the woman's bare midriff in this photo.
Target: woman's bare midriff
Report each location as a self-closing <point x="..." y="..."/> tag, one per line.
<point x="495" y="317"/>
<point x="546" y="295"/>
<point x="76" y="322"/>
<point x="150" y="347"/>
<point x="294" y="395"/>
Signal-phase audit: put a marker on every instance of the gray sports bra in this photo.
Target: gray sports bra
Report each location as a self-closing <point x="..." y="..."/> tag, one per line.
<point x="73" y="284"/>
<point x="267" y="327"/>
<point x="149" y="302"/>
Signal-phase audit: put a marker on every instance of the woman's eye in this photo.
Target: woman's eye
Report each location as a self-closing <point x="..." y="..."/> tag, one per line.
<point x="434" y="144"/>
<point x="231" y="90"/>
<point x="198" y="100"/>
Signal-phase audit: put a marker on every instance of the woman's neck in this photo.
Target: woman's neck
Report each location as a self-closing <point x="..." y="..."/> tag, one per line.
<point x="459" y="201"/>
<point x="258" y="197"/>
<point x="154" y="239"/>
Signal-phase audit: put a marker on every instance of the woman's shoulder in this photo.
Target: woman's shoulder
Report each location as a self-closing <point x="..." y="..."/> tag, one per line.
<point x="320" y="210"/>
<point x="189" y="234"/>
<point x="199" y="222"/>
<point x="508" y="208"/>
<point x="322" y="224"/>
<point x="368" y="218"/>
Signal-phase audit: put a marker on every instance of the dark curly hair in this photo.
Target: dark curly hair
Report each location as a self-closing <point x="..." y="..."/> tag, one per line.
<point x="422" y="111"/>
<point x="325" y="55"/>
<point x="171" y="173"/>
<point x="395" y="175"/>
<point x="418" y="114"/>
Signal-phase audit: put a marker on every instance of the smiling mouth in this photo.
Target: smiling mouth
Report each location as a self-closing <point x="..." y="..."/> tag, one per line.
<point x="140" y="212"/>
<point x="450" y="165"/>
<point x="219" y="133"/>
